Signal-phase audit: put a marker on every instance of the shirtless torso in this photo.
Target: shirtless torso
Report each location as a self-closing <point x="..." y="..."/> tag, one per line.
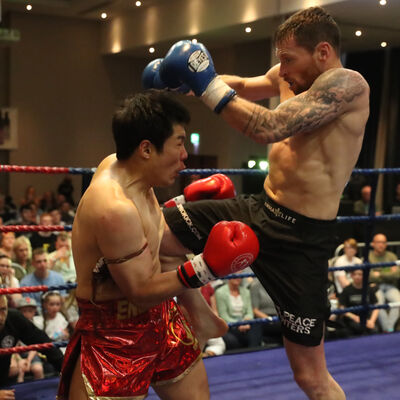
<point x="107" y="190"/>
<point x="316" y="135"/>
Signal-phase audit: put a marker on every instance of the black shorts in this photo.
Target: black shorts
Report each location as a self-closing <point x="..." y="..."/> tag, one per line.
<point x="293" y="261"/>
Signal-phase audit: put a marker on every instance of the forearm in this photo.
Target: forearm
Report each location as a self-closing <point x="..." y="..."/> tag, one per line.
<point x="259" y="314"/>
<point x="254" y="121"/>
<point x="374" y="316"/>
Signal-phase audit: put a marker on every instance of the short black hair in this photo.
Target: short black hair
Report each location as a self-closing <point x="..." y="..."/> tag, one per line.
<point x="146" y="115"/>
<point x="310" y="27"/>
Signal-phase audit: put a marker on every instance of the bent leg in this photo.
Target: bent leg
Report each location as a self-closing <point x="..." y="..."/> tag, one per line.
<point x="193" y="386"/>
<point x="310" y="372"/>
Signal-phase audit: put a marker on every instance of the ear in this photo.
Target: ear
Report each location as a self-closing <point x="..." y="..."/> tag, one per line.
<point x="323" y="51"/>
<point x="145" y="148"/>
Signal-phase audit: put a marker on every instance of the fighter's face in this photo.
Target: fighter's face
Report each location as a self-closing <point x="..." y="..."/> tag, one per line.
<point x="170" y="161"/>
<point x="298" y="66"/>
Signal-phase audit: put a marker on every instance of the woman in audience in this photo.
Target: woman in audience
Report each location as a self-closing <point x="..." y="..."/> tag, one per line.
<point x="22" y="257"/>
<point x="234" y="304"/>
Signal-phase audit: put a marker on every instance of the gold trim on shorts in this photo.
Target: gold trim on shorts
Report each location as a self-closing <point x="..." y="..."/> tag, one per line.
<point x="92" y="395"/>
<point x="179" y="377"/>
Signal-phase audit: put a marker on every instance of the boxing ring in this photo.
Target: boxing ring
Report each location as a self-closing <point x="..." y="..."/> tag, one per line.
<point x="367" y="367"/>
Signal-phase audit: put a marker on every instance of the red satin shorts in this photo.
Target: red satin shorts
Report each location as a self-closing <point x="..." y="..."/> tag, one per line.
<point x="122" y="351"/>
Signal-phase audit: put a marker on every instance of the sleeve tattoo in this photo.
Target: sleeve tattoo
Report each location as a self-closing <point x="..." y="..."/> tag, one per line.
<point x="330" y="95"/>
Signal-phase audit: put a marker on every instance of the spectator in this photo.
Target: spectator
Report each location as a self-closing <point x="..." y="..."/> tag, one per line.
<point x="15" y="327"/>
<point x="66" y="188"/>
<point x="395" y="203"/>
<point x="30" y="361"/>
<point x="234" y="304"/>
<point x="352" y="296"/>
<point x="67" y="214"/>
<point x="52" y="321"/>
<point x="6" y="212"/>
<point x="361" y="207"/>
<point x="7" y="240"/>
<point x="263" y="307"/>
<point x="44" y="239"/>
<point x="386" y="280"/>
<point x="8" y="278"/>
<point x="61" y="259"/>
<point x="29" y="197"/>
<point x="22" y="257"/>
<point x="56" y="217"/>
<point x="26" y="217"/>
<point x="343" y="278"/>
<point x="41" y="275"/>
<point x="48" y="201"/>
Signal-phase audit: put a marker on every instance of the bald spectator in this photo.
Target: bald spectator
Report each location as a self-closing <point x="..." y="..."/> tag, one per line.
<point x="386" y="280"/>
<point x="44" y="239"/>
<point x="361" y="207"/>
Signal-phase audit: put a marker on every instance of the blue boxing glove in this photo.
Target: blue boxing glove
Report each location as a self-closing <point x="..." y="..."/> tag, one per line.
<point x="151" y="78"/>
<point x="191" y="64"/>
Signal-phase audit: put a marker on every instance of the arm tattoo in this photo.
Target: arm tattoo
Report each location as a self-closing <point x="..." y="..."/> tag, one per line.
<point x="331" y="95"/>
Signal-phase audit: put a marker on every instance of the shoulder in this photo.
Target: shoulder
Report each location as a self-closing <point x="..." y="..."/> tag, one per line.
<point x="349" y="81"/>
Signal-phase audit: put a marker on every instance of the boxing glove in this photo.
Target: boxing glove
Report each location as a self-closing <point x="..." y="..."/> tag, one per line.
<point x="151" y="78"/>
<point x="231" y="247"/>
<point x="217" y="186"/>
<point x="191" y="64"/>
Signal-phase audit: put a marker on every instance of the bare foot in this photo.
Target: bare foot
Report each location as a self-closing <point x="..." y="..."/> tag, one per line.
<point x="205" y="323"/>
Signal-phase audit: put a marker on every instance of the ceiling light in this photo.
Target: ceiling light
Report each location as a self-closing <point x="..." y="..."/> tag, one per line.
<point x="152" y="50"/>
<point x="382" y="2"/>
<point x="103" y="15"/>
<point x="28" y="7"/>
<point x="358" y="33"/>
<point x="383" y="44"/>
<point x="247" y="29"/>
<point x="138" y="3"/>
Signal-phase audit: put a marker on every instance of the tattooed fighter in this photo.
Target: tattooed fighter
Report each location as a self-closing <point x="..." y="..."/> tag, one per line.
<point x="317" y="132"/>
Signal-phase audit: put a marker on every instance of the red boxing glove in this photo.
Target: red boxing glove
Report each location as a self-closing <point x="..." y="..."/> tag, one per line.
<point x="231" y="247"/>
<point x="217" y="186"/>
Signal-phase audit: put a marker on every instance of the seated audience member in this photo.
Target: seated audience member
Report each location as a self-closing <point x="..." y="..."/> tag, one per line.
<point x="6" y="212"/>
<point x="47" y="202"/>
<point x="361" y="206"/>
<point x="66" y="188"/>
<point x="67" y="213"/>
<point x="394" y="206"/>
<point x="26" y="217"/>
<point x="56" y="218"/>
<point x="386" y="279"/>
<point x="41" y="275"/>
<point x="61" y="259"/>
<point x="15" y="327"/>
<point x="53" y="321"/>
<point x="7" y="240"/>
<point x="8" y="279"/>
<point x="263" y="307"/>
<point x="234" y="305"/>
<point x="30" y="361"/>
<point x="352" y="296"/>
<point x="29" y="196"/>
<point x="342" y="278"/>
<point x="44" y="239"/>
<point x="22" y="257"/>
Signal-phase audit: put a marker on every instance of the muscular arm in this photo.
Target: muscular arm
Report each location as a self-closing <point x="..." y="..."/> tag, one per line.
<point x="258" y="87"/>
<point x="120" y="233"/>
<point x="333" y="93"/>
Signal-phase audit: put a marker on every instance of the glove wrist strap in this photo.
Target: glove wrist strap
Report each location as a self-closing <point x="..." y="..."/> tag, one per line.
<point x="195" y="273"/>
<point x="217" y="95"/>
